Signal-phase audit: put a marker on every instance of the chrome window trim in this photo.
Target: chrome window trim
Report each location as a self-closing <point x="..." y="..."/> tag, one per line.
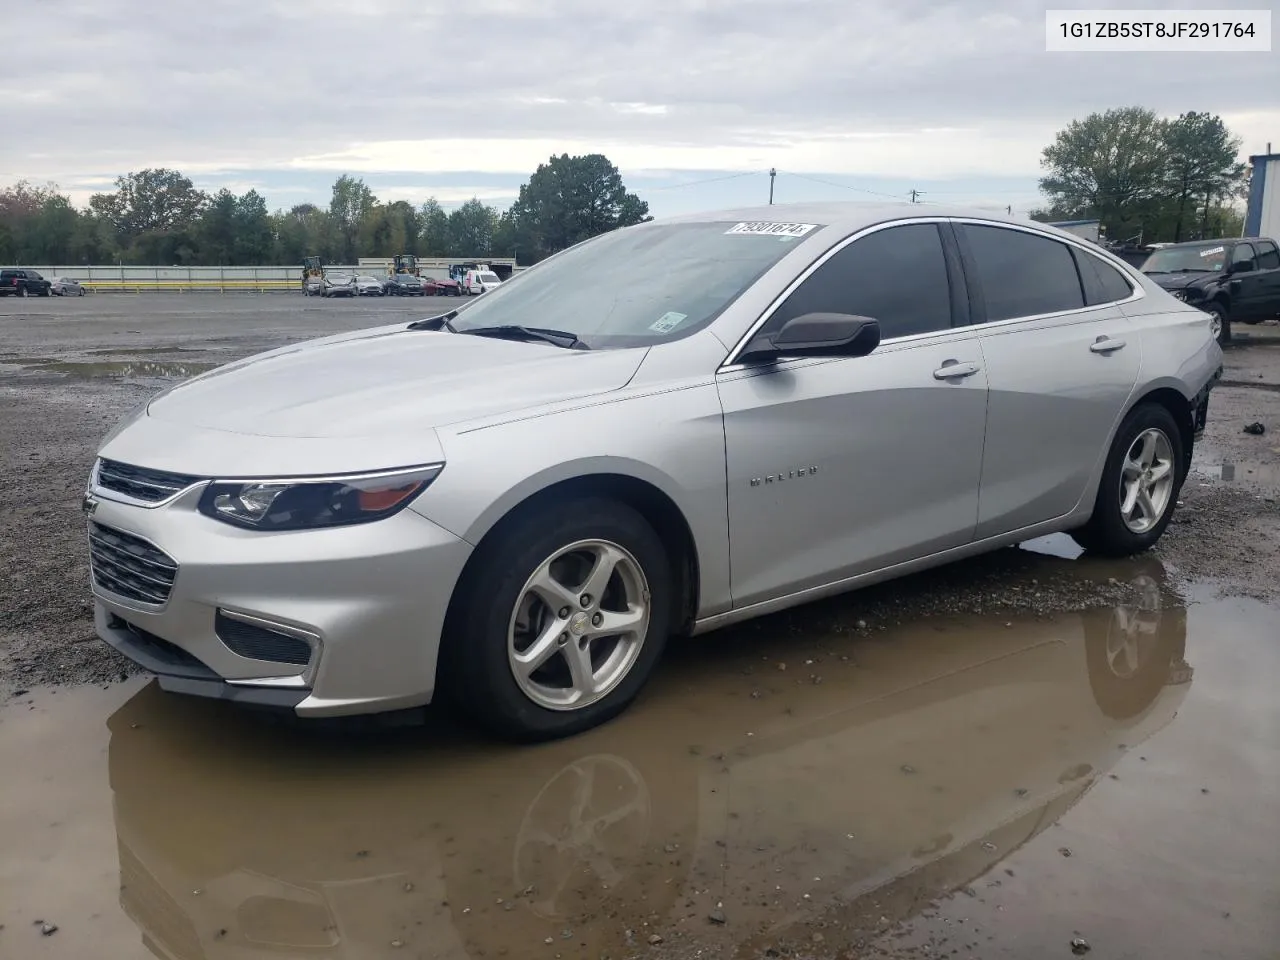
<point x="730" y="363"/>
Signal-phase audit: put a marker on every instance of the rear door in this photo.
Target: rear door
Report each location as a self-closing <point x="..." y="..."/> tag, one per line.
<point x="837" y="467"/>
<point x="1061" y="362"/>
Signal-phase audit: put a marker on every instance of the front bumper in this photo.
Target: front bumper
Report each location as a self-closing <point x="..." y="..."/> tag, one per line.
<point x="322" y="622"/>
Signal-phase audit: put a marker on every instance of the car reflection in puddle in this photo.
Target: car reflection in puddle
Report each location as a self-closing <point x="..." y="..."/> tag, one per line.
<point x="728" y="810"/>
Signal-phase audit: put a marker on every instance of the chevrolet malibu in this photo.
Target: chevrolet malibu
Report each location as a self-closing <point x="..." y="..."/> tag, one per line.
<point x="514" y="505"/>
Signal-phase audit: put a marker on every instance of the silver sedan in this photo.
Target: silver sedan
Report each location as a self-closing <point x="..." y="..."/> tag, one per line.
<point x="515" y="505"/>
<point x="66" y="287"/>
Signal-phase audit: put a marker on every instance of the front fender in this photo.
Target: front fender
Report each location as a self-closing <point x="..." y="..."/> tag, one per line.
<point x="671" y="440"/>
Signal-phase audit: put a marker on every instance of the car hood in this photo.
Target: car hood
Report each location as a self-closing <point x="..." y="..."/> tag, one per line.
<point x="389" y="380"/>
<point x="1177" y="281"/>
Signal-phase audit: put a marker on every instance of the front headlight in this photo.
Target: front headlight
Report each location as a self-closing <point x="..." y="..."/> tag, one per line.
<point x="310" y="503"/>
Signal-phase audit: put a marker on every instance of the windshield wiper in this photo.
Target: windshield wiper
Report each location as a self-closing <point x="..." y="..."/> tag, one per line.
<point x="442" y="322"/>
<point x="560" y="338"/>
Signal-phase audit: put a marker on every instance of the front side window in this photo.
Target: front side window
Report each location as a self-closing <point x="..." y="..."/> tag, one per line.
<point x="1242" y="254"/>
<point x="897" y="276"/>
<point x="1023" y="274"/>
<point x="1268" y="256"/>
<point x="636" y="286"/>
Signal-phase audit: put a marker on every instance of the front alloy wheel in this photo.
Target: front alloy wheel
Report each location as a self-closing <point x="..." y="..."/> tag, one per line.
<point x="579" y="625"/>
<point x="559" y="620"/>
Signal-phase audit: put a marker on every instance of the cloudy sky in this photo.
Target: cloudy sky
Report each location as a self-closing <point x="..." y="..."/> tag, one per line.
<point x="693" y="99"/>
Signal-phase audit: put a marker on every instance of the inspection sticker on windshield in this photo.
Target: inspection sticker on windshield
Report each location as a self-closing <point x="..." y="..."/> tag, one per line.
<point x="767" y="229"/>
<point x="668" y="322"/>
<point x="1213" y="252"/>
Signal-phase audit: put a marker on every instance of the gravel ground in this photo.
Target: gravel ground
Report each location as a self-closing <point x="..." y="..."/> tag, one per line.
<point x="70" y="369"/>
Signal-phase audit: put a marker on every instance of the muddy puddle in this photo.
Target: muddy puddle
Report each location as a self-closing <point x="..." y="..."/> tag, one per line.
<point x="819" y="795"/>
<point x="116" y="369"/>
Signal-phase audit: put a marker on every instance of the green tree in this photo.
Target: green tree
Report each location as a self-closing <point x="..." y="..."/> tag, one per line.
<point x="150" y="201"/>
<point x="217" y="231"/>
<point x="571" y="199"/>
<point x="303" y="231"/>
<point x="252" y="230"/>
<point x="1203" y="166"/>
<point x="351" y="204"/>
<point x="1109" y="165"/>
<point x="433" y="230"/>
<point x="471" y="229"/>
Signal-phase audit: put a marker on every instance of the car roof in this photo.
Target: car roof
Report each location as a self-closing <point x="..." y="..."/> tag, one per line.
<point x="846" y="215"/>
<point x="1221" y="242"/>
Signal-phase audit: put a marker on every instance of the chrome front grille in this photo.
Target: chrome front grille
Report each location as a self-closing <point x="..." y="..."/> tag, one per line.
<point x="140" y="483"/>
<point x="130" y="567"/>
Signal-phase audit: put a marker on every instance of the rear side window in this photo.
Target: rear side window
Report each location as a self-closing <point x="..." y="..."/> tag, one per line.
<point x="1023" y="275"/>
<point x="1102" y="282"/>
<point x="897" y="276"/>
<point x="1268" y="256"/>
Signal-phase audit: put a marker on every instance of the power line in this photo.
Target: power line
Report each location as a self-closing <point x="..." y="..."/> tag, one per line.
<point x="698" y="183"/>
<point x="842" y="186"/>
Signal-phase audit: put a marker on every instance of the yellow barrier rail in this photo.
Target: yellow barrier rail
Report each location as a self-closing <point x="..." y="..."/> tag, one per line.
<point x="141" y="285"/>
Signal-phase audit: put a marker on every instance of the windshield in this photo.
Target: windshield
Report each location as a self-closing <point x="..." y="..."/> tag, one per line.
<point x="488" y="278"/>
<point x="635" y="286"/>
<point x="1207" y="258"/>
<point x="339" y="278"/>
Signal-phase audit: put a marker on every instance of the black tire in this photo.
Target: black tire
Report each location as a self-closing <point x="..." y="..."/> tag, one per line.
<point x="1219" y="311"/>
<point x="1106" y="533"/>
<point x="24" y="292"/>
<point x="475" y="674"/>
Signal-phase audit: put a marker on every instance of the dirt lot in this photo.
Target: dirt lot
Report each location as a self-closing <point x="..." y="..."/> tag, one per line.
<point x="978" y="761"/>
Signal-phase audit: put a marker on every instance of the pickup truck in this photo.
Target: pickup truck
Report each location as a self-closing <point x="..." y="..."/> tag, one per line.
<point x="1234" y="281"/>
<point x="20" y="282"/>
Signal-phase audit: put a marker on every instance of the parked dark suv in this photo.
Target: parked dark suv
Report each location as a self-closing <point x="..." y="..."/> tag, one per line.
<point x="1233" y="280"/>
<point x="23" y="283"/>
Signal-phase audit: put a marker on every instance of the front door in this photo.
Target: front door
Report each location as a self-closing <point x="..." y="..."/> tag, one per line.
<point x="839" y="467"/>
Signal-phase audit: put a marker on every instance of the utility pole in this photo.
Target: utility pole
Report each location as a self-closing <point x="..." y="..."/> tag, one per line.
<point x="772" y="173"/>
<point x="915" y="194"/>
<point x="1009" y="210"/>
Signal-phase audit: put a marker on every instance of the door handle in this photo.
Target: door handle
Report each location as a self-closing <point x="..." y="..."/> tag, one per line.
<point x="1106" y="345"/>
<point x="955" y="370"/>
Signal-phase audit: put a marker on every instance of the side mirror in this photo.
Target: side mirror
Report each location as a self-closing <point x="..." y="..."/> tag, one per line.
<point x="1245" y="266"/>
<point x="816" y="335"/>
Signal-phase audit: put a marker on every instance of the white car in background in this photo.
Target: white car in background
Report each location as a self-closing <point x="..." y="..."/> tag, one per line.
<point x="478" y="281"/>
<point x="367" y="286"/>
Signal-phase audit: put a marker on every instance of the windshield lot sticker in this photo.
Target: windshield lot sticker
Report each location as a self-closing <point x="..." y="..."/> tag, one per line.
<point x="1213" y="252"/>
<point x="668" y="322"/>
<point x="767" y="229"/>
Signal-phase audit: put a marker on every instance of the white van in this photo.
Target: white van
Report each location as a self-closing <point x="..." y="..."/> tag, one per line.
<point x="478" y="281"/>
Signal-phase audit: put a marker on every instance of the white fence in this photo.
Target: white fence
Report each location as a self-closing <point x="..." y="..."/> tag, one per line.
<point x="121" y="279"/>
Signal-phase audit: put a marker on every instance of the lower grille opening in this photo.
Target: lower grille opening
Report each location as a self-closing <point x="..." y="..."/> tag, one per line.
<point x="161" y="650"/>
<point x="259" y="643"/>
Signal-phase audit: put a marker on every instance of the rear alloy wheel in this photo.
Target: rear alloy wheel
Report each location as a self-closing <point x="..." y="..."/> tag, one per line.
<point x="1139" y="487"/>
<point x="1219" y="323"/>
<point x="23" y="292"/>
<point x="560" y="622"/>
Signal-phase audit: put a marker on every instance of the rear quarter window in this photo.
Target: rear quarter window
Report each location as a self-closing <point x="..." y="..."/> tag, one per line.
<point x="1102" y="282"/>
<point x="1023" y="274"/>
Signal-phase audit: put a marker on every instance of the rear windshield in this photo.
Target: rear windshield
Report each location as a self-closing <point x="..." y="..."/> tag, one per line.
<point x="639" y="285"/>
